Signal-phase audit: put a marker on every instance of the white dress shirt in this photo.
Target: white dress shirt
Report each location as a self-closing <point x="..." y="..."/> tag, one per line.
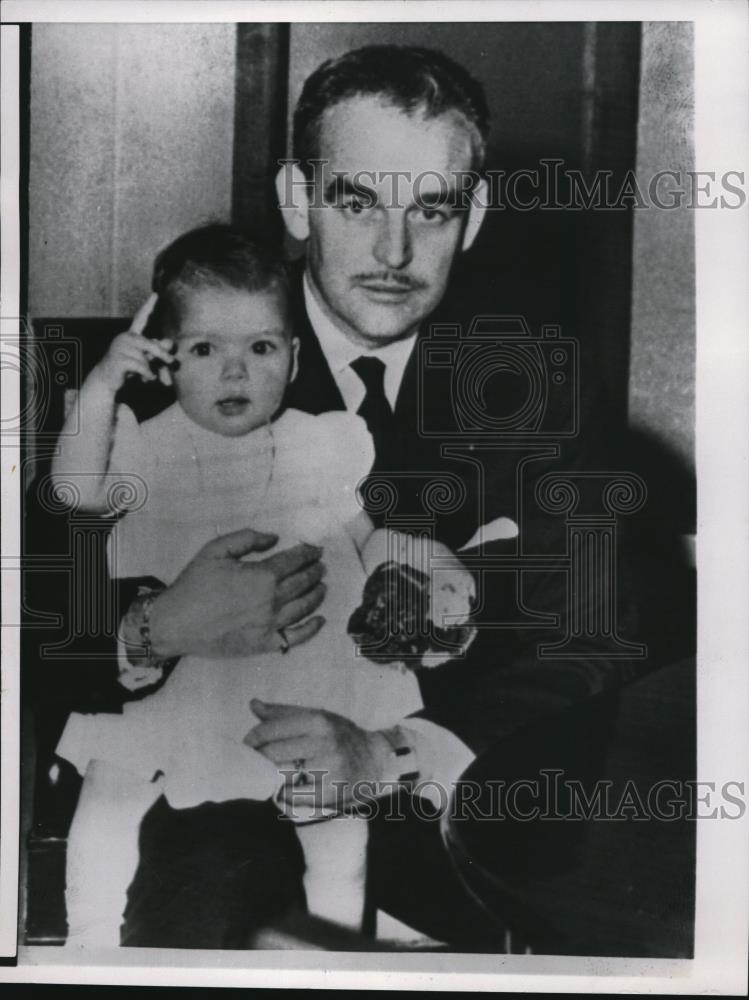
<point x="440" y="756"/>
<point x="339" y="352"/>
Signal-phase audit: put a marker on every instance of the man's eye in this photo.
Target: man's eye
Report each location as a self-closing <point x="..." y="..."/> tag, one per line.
<point x="356" y="206"/>
<point x="201" y="350"/>
<point x="433" y="215"/>
<point x="263" y="347"/>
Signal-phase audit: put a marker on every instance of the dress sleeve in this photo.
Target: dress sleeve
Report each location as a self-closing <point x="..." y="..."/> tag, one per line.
<point x="128" y="462"/>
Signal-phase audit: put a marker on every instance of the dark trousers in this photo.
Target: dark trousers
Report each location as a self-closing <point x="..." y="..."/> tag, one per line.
<point x="212" y="875"/>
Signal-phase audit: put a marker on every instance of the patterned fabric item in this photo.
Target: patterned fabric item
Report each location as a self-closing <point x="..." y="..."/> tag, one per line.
<point x="400" y="618"/>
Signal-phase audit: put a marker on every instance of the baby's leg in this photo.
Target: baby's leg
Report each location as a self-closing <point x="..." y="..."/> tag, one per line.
<point x="335" y="854"/>
<point x="102" y="853"/>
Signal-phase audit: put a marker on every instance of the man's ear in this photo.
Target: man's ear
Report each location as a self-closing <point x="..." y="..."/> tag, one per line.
<point x="291" y="190"/>
<point x="476" y="213"/>
<point x="294" y="358"/>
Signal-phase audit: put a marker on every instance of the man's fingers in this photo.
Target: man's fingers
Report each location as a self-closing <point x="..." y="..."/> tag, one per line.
<point x="286" y="751"/>
<point x="265" y="733"/>
<point x="239" y="543"/>
<point x="283" y="564"/>
<point x="294" y="611"/>
<point x="278" y="728"/>
<point x="140" y="319"/>
<point x="268" y="710"/>
<point x="281" y="721"/>
<point x="297" y="634"/>
<point x="300" y="582"/>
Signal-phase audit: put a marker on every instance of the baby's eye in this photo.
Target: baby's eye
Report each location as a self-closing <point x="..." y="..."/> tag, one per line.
<point x="201" y="350"/>
<point x="263" y="347"/>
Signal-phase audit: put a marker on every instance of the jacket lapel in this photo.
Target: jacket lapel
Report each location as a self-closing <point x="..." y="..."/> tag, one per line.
<point x="314" y="390"/>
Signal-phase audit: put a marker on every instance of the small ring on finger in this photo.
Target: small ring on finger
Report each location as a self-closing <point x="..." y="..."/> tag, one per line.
<point x="301" y="775"/>
<point x="285" y="644"/>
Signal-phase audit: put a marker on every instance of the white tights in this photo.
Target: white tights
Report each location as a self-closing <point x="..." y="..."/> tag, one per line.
<point x="102" y="858"/>
<point x="335" y="855"/>
<point x="102" y="855"/>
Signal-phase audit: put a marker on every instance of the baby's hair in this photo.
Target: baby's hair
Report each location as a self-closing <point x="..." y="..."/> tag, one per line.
<point x="214" y="255"/>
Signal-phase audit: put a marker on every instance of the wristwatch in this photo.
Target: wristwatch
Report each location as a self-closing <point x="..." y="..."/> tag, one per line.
<point x="138" y="668"/>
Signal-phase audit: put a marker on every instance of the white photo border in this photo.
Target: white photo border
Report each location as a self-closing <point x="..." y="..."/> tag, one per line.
<point x="722" y="264"/>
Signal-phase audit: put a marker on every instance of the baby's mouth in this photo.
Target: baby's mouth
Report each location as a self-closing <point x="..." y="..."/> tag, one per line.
<point x="230" y="406"/>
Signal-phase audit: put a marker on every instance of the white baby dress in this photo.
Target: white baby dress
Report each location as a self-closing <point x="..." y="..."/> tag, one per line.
<point x="183" y="486"/>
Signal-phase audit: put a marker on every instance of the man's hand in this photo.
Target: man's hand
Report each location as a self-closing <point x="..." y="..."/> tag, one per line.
<point x="328" y="743"/>
<point x="221" y="606"/>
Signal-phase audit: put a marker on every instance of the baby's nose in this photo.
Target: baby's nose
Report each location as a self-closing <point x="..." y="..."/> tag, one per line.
<point x="234" y="368"/>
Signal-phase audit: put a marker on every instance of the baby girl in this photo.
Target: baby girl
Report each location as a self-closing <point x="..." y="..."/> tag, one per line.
<point x="226" y="455"/>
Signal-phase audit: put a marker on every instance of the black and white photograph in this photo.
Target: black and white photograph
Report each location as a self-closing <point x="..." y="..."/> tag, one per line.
<point x="374" y="487"/>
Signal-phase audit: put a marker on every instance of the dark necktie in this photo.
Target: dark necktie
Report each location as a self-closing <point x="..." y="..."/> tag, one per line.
<point x="375" y="409"/>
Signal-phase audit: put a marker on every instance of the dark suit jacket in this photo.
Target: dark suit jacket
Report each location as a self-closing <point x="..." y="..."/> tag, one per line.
<point x="449" y="478"/>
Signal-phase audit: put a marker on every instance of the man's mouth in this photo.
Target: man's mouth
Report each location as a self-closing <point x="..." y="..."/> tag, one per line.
<point x="231" y="406"/>
<point x="387" y="290"/>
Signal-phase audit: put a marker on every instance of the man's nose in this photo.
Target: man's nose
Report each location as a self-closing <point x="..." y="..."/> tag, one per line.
<point x="393" y="246"/>
<point x="234" y="367"/>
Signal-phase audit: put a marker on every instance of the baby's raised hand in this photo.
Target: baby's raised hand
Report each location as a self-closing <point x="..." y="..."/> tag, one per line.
<point x="131" y="353"/>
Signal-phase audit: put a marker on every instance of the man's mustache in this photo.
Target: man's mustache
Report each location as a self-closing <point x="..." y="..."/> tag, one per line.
<point x="405" y="281"/>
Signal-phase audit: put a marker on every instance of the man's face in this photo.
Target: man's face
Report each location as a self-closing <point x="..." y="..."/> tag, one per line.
<point x="384" y="231"/>
<point x="235" y="356"/>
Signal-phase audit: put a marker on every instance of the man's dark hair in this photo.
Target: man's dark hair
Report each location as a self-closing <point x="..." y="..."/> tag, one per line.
<point x="410" y="78"/>
<point x="211" y="256"/>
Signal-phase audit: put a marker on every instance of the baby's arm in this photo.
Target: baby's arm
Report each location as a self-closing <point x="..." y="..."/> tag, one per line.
<point x="360" y="530"/>
<point x="83" y="455"/>
<point x="379" y="545"/>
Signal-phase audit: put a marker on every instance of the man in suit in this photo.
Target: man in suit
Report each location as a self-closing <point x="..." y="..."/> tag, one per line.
<point x="383" y="140"/>
<point x="386" y="192"/>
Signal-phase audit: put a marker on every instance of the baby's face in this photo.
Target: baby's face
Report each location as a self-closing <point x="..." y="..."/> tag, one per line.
<point x="235" y="357"/>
